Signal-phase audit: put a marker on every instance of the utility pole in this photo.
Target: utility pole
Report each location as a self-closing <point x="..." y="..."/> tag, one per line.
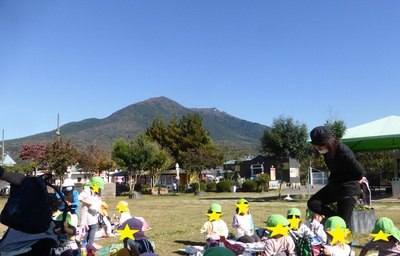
<point x="2" y="150"/>
<point x="58" y="125"/>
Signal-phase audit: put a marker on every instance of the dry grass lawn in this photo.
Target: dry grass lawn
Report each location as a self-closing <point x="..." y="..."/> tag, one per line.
<point x="176" y="219"/>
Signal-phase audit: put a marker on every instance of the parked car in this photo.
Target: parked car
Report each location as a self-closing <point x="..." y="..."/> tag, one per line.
<point x="120" y="188"/>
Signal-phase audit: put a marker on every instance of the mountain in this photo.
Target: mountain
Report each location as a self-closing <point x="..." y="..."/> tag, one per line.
<point x="132" y="120"/>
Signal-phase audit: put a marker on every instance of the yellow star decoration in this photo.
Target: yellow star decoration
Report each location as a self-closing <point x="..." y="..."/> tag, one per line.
<point x="294" y="222"/>
<point x="381" y="236"/>
<point x="242" y="207"/>
<point x="127" y="232"/>
<point x="338" y="235"/>
<point x="122" y="208"/>
<point x="95" y="188"/>
<point x="214" y="216"/>
<point x="279" y="230"/>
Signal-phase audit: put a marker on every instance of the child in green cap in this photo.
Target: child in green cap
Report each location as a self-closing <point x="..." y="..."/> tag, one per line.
<point x="214" y="227"/>
<point x="243" y="223"/>
<point x="299" y="232"/>
<point x="218" y="251"/>
<point x="91" y="203"/>
<point x="279" y="243"/>
<point x="386" y="238"/>
<point x="297" y="228"/>
<point x="336" y="230"/>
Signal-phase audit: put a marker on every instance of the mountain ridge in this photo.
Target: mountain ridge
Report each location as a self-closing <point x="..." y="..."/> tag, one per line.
<point x="132" y="120"/>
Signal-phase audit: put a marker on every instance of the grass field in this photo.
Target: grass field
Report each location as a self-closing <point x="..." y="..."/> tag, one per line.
<point x="176" y="219"/>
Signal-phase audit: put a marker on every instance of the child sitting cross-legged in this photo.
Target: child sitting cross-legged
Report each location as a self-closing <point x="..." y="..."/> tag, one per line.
<point x="243" y="223"/>
<point x="140" y="245"/>
<point x="214" y="227"/>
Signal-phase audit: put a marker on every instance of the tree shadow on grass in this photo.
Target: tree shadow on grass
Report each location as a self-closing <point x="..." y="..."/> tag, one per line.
<point x="250" y="199"/>
<point x="186" y="242"/>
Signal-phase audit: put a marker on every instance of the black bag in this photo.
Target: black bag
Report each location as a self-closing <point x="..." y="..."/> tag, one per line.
<point x="29" y="207"/>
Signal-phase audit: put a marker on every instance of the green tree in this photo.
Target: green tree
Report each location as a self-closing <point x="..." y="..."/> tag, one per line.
<point x="182" y="135"/>
<point x="376" y="163"/>
<point x="204" y="157"/>
<point x="136" y="156"/>
<point x="160" y="161"/>
<point x="157" y="131"/>
<point x="60" y="155"/>
<point x="338" y="127"/>
<point x="286" y="139"/>
<point x="173" y="139"/>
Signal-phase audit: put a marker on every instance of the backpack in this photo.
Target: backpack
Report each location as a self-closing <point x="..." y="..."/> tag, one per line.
<point x="28" y="209"/>
<point x="307" y="246"/>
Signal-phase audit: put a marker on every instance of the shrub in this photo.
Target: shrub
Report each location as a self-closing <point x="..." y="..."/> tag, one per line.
<point x="211" y="186"/>
<point x="224" y="186"/>
<point x="250" y="186"/>
<point x="263" y="179"/>
<point x="145" y="188"/>
<point x="195" y="186"/>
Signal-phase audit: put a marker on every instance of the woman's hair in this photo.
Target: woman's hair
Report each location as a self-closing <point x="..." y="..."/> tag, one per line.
<point x="332" y="146"/>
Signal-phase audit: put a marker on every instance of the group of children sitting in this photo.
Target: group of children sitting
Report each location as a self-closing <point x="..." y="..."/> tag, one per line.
<point x="289" y="236"/>
<point x="71" y="237"/>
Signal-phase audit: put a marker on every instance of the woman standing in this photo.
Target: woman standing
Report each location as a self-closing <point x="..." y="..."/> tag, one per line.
<point x="91" y="202"/>
<point x="344" y="179"/>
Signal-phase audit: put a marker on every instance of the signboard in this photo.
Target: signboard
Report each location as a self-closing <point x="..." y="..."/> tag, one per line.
<point x="272" y="173"/>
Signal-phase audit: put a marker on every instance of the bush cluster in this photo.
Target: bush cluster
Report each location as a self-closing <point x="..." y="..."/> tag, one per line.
<point x="195" y="186"/>
<point x="211" y="186"/>
<point x="224" y="186"/>
<point x="250" y="186"/>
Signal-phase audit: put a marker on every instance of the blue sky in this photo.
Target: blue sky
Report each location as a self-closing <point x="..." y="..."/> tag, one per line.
<point x="255" y="60"/>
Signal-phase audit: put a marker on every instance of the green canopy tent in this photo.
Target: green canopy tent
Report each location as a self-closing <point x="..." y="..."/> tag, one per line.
<point x="379" y="135"/>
